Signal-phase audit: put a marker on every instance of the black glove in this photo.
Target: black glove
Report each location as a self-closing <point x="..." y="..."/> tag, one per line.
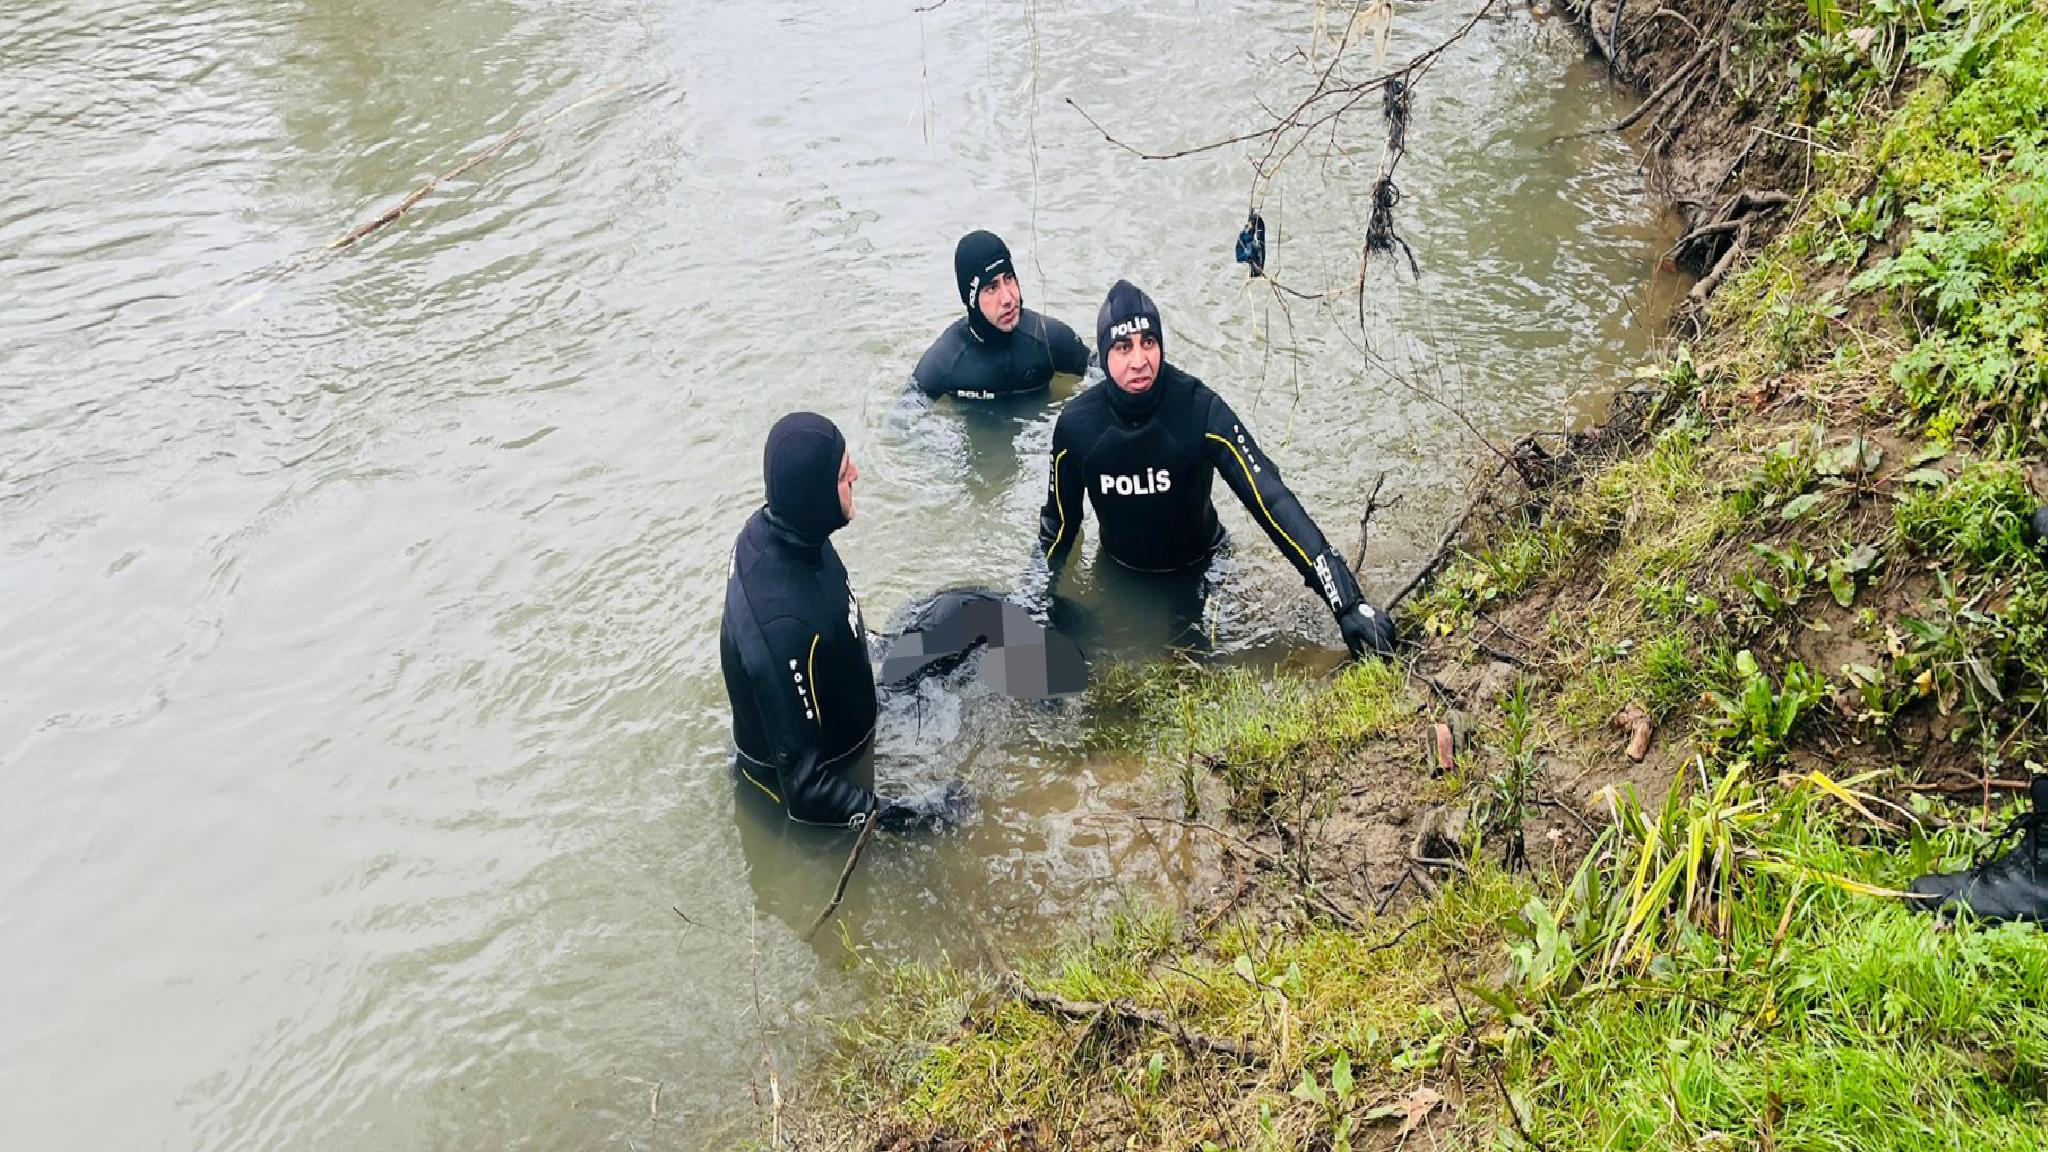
<point x="946" y="804"/>
<point x="1367" y="631"/>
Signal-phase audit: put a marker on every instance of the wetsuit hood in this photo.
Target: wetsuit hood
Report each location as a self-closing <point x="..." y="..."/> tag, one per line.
<point x="801" y="467"/>
<point x="978" y="258"/>
<point x="1127" y="311"/>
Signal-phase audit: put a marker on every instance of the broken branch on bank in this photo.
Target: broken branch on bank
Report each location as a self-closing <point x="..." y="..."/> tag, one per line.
<point x="1684" y="73"/>
<point x="1730" y="218"/>
<point x="1449" y="541"/>
<point x="1472" y="1034"/>
<point x="1710" y="47"/>
<point x="1091" y="1010"/>
<point x="1719" y="272"/>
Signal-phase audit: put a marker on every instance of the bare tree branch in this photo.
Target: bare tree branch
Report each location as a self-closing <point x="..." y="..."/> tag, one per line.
<point x="1312" y="112"/>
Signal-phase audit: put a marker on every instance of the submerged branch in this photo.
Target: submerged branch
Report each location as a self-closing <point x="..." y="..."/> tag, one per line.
<point x="496" y="148"/>
<point x="390" y="215"/>
<point x="867" y="830"/>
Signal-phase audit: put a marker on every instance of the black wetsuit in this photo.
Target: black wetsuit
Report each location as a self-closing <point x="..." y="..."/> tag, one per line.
<point x="972" y="360"/>
<point x="1148" y="469"/>
<point x="795" y="656"/>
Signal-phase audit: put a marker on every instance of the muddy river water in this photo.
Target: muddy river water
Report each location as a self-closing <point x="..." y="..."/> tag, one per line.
<point x="362" y="743"/>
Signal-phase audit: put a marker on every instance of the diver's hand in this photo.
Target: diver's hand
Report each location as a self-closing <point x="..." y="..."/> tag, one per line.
<point x="946" y="804"/>
<point x="1367" y="631"/>
<point x="1036" y="591"/>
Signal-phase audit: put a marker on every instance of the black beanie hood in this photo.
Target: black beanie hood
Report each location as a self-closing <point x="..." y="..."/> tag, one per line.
<point x="978" y="258"/>
<point x="1127" y="311"/>
<point x="801" y="467"/>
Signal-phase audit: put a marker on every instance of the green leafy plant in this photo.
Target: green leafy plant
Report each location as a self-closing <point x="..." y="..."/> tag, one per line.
<point x="1846" y="572"/>
<point x="1979" y="517"/>
<point x="1791" y="573"/>
<point x="1336" y="1101"/>
<point x="1503" y="805"/>
<point x="1756" y="717"/>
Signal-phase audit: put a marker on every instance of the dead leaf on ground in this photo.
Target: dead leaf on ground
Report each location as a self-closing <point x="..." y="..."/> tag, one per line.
<point x="1412" y="1109"/>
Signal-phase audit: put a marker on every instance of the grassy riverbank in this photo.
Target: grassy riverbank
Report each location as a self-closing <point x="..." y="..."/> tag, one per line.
<point x="1802" y="573"/>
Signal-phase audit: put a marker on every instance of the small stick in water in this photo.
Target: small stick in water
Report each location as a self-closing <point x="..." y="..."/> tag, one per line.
<point x="1372" y="503"/>
<point x="497" y="147"/>
<point x="867" y="829"/>
<point x="357" y="233"/>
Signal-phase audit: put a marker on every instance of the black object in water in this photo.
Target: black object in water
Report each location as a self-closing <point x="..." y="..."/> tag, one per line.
<point x="1020" y="657"/>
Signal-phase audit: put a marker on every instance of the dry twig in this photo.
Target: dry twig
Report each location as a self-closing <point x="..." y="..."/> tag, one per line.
<point x="1514" y="1112"/>
<point x="1127" y="1011"/>
<point x="1311" y="114"/>
<point x="1307" y="887"/>
<point x="1449" y="541"/>
<point x="1372" y="503"/>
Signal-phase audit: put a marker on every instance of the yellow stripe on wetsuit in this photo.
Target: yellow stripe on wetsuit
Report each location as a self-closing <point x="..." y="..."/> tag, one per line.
<point x="756" y="783"/>
<point x="811" y="670"/>
<point x="818" y="716"/>
<point x="1059" y="503"/>
<point x="817" y="713"/>
<point x="1261" y="499"/>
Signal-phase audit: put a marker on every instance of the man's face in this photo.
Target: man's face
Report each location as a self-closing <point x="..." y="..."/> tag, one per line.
<point x="1134" y="362"/>
<point x="847" y="475"/>
<point x="1001" y="302"/>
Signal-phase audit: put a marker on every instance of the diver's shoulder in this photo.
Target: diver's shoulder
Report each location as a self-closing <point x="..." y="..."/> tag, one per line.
<point x="752" y="546"/>
<point x="939" y="360"/>
<point x="1084" y="419"/>
<point x="1042" y="328"/>
<point x="1180" y="380"/>
<point x="1089" y="405"/>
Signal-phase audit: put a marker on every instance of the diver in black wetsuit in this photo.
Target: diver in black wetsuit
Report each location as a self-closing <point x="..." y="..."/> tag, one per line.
<point x="1145" y="444"/>
<point x="1000" y="348"/>
<point x="793" y="646"/>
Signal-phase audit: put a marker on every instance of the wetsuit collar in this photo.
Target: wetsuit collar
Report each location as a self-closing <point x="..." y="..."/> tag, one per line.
<point x="787" y="534"/>
<point x="1134" y="410"/>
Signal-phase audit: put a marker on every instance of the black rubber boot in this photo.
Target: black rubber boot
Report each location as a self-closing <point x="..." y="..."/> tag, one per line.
<point x="2013" y="886"/>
